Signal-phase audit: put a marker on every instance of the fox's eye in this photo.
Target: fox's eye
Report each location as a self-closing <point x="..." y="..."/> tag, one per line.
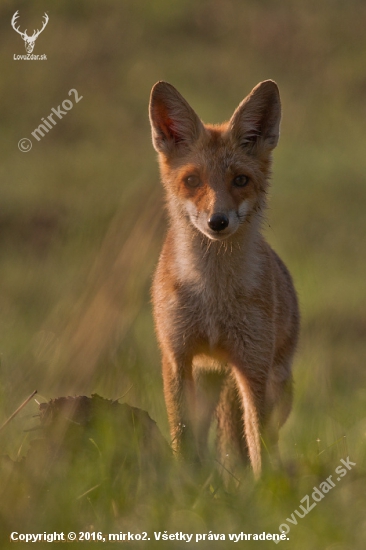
<point x="192" y="181"/>
<point x="240" y="181"/>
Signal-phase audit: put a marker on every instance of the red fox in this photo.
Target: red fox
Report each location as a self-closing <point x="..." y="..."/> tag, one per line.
<point x="225" y="307"/>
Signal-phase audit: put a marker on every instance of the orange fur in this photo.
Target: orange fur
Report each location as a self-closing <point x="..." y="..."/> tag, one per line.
<point x="224" y="303"/>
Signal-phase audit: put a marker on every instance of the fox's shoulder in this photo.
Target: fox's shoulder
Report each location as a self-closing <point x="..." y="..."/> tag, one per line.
<point x="285" y="293"/>
<point x="279" y="265"/>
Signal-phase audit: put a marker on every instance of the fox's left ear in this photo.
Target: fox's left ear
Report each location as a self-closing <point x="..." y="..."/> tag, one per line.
<point x="257" y="119"/>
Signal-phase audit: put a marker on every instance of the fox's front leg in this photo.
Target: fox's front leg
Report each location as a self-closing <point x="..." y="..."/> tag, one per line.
<point x="252" y="390"/>
<point x="179" y="393"/>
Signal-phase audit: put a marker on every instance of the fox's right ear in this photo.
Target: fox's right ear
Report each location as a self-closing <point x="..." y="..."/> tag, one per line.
<point x="174" y="124"/>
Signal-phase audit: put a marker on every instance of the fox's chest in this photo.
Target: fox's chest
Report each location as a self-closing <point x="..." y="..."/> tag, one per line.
<point x="214" y="313"/>
<point x="206" y="302"/>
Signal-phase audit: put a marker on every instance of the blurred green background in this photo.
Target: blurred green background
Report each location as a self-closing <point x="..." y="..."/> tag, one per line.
<point x="82" y="222"/>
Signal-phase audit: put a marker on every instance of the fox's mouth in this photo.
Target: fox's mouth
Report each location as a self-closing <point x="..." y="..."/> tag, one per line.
<point x="218" y="227"/>
<point x="219" y="236"/>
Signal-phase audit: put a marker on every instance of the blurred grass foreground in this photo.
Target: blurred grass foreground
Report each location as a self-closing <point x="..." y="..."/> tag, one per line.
<point x="81" y="225"/>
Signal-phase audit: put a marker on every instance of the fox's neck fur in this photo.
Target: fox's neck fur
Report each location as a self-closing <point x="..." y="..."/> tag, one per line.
<point x="222" y="265"/>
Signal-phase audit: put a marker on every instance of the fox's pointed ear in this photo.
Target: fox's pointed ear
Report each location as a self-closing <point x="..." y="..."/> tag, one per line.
<point x="174" y="123"/>
<point x="257" y="119"/>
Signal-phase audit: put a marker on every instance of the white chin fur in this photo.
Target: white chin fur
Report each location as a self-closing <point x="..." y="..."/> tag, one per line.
<point x="217" y="235"/>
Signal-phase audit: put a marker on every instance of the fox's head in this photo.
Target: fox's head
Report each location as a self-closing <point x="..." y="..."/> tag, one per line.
<point x="216" y="176"/>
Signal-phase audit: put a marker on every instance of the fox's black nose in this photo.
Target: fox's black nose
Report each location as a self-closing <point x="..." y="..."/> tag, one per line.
<point x="218" y="222"/>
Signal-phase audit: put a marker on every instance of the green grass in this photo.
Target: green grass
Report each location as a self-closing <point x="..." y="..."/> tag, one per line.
<point x="81" y="226"/>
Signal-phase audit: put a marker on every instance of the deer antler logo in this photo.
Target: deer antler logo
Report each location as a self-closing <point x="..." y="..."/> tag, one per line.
<point x="29" y="40"/>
